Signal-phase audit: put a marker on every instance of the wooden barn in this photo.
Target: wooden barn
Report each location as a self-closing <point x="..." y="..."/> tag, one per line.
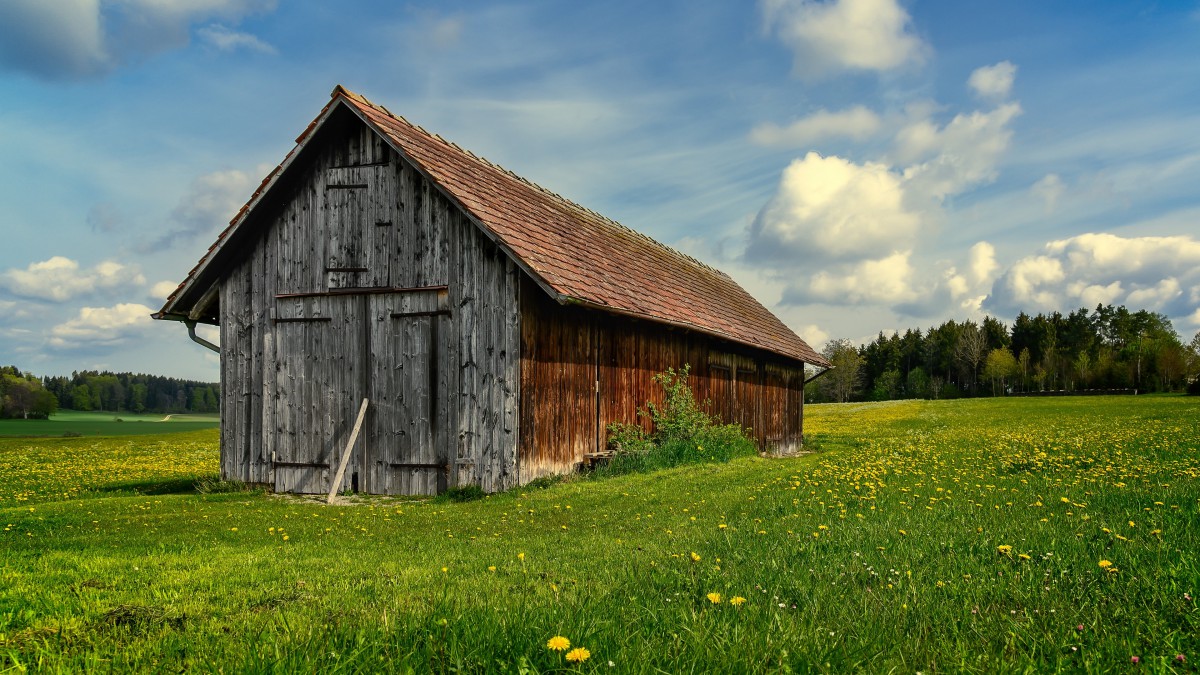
<point x="495" y="328"/>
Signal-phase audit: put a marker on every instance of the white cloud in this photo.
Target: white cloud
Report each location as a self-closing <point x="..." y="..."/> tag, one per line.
<point x="962" y="154"/>
<point x="1050" y="188"/>
<point x="888" y="280"/>
<point x="993" y="82"/>
<point x="61" y="278"/>
<point x="161" y="290"/>
<point x="856" y="122"/>
<point x="832" y="208"/>
<point x="99" y="327"/>
<point x="982" y="262"/>
<point x="1155" y="273"/>
<point x="210" y="203"/>
<point x="72" y="39"/>
<point x="844" y="35"/>
<point x="812" y="334"/>
<point x="228" y="40"/>
<point x="860" y="224"/>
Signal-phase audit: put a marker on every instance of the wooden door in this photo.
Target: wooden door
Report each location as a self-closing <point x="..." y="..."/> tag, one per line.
<point x="317" y="385"/>
<point x="408" y="419"/>
<point x="358" y="213"/>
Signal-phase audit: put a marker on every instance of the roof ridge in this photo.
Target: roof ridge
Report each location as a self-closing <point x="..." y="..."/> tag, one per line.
<point x="569" y="202"/>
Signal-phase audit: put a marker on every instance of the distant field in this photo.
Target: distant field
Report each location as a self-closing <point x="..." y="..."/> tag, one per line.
<point x="979" y="536"/>
<point x="106" y="424"/>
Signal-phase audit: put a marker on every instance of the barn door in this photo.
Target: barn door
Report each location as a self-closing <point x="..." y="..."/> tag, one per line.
<point x="408" y="385"/>
<point x="317" y="386"/>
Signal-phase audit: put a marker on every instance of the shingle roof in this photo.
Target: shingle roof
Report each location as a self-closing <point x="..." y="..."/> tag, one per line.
<point x="576" y="253"/>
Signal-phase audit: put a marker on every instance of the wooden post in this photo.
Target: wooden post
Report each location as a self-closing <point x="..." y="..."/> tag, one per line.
<point x="341" y="472"/>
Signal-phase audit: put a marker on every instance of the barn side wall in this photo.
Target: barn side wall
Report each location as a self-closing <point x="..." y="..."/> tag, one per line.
<point x="412" y="237"/>
<point x="582" y="369"/>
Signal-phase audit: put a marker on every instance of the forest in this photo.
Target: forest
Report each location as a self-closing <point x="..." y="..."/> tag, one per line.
<point x="1109" y="349"/>
<point x="23" y="395"/>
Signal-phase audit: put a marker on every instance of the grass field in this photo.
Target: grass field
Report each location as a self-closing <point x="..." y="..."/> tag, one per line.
<point x="1023" y="535"/>
<point x="105" y="424"/>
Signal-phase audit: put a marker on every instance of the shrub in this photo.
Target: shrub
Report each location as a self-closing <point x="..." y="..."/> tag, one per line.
<point x="683" y="433"/>
<point x="464" y="493"/>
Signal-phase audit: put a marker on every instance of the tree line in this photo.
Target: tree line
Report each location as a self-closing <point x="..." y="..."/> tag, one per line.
<point x="1107" y="348"/>
<point x="24" y="395"/>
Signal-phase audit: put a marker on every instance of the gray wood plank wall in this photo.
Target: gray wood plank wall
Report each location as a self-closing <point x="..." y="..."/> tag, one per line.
<point x="355" y="216"/>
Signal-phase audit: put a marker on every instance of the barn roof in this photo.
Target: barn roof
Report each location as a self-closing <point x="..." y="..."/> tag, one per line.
<point x="576" y="255"/>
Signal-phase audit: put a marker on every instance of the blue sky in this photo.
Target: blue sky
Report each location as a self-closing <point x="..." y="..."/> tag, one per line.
<point x="858" y="165"/>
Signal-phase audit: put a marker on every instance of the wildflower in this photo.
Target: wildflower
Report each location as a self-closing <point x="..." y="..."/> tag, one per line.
<point x="1105" y="564"/>
<point x="695" y="557"/>
<point x="1023" y="556"/>
<point x="737" y="600"/>
<point x="558" y="643"/>
<point x="1004" y="549"/>
<point x="1181" y="658"/>
<point x="1065" y="500"/>
<point x="578" y="655"/>
<point x="903" y="532"/>
<point x="491" y="568"/>
<point x="714" y="598"/>
<point x="1134" y="660"/>
<point x="721" y="526"/>
<point x="445" y="569"/>
<point x="521" y="557"/>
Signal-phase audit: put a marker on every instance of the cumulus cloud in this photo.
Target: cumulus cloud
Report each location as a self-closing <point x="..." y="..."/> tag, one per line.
<point x="993" y="82"/>
<point x="161" y="290"/>
<point x="74" y="39"/>
<point x="856" y="123"/>
<point x="229" y="40"/>
<point x="860" y="223"/>
<point x="209" y="204"/>
<point x="1156" y="273"/>
<point x="962" y="154"/>
<point x="101" y="327"/>
<point x="832" y="208"/>
<point x="844" y="35"/>
<point x="59" y="279"/>
<point x="888" y="280"/>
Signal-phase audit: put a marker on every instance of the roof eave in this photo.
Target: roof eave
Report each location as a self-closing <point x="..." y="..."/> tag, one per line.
<point x="188" y="287"/>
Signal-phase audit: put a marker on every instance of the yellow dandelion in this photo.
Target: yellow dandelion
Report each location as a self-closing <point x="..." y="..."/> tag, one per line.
<point x="721" y="526"/>
<point x="737" y="601"/>
<point x="903" y="533"/>
<point x="558" y="643"/>
<point x="695" y="557"/>
<point x="1004" y="549"/>
<point x="521" y="557"/>
<point x="1105" y="564"/>
<point x="714" y="598"/>
<point x="578" y="655"/>
<point x="491" y="568"/>
<point x="1023" y="556"/>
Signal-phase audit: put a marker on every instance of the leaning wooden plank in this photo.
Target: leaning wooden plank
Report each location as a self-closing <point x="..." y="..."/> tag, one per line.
<point x="341" y="472"/>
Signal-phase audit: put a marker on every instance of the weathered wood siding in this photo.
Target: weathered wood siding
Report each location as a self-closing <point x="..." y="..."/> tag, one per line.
<point x="365" y="281"/>
<point x="582" y="369"/>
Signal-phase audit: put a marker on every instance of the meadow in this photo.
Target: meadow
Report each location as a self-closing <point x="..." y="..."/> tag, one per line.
<point x="1004" y="535"/>
<point x="80" y="423"/>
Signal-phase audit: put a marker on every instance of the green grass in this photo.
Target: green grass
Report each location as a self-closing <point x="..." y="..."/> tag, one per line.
<point x="880" y="553"/>
<point x="105" y="424"/>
